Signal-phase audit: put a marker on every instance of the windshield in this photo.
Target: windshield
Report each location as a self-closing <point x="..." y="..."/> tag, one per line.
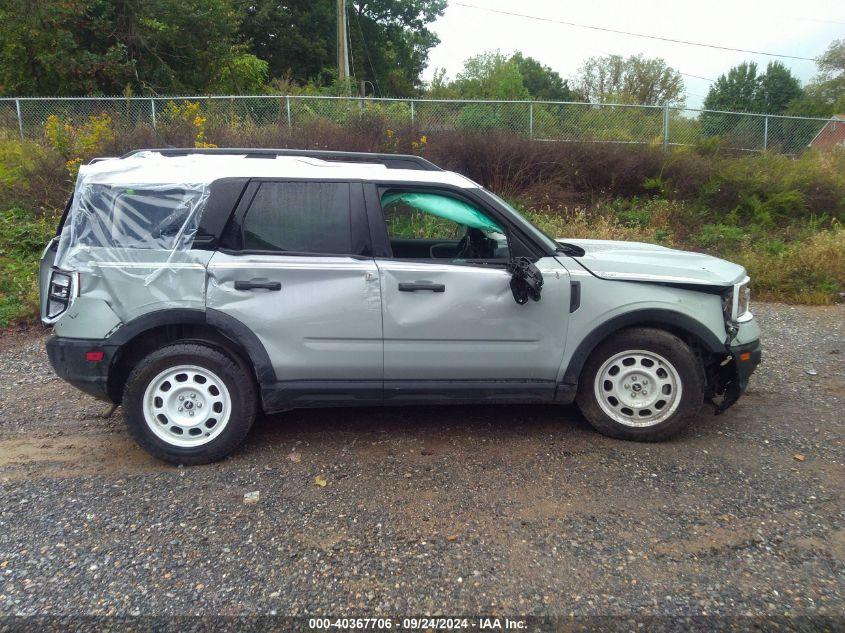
<point x="549" y="241"/>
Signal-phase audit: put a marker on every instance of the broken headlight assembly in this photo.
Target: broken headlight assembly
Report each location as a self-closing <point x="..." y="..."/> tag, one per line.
<point x="736" y="302"/>
<point x="60" y="294"/>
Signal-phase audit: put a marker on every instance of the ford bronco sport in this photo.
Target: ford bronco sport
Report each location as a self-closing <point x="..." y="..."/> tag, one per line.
<point x="197" y="287"/>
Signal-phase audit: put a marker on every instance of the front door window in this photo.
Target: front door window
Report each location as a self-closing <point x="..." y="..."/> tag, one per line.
<point x="427" y="225"/>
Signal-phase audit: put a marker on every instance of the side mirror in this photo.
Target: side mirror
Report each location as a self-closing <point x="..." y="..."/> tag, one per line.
<point x="526" y="280"/>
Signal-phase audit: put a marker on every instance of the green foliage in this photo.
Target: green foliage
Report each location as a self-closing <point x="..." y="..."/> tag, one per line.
<point x="777" y="89"/>
<point x="389" y="40"/>
<point x="773" y="189"/>
<point x="490" y="75"/>
<point x="636" y="79"/>
<point x="737" y="91"/>
<point x="720" y="237"/>
<point x="82" y="47"/>
<point x="542" y="82"/>
<point x="743" y="89"/>
<point x="242" y="73"/>
<point x="22" y="238"/>
<point x="825" y="95"/>
<point x="89" y="47"/>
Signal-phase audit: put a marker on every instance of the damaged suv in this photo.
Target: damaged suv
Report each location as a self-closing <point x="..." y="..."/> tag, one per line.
<point x="199" y="287"/>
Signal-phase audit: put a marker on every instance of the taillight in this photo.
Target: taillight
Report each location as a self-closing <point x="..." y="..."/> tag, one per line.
<point x="60" y="293"/>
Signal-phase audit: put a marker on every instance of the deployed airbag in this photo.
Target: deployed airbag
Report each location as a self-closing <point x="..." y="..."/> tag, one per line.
<point x="444" y="207"/>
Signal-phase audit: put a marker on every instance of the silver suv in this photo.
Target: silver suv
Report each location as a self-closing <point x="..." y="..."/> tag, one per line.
<point x="200" y="287"/>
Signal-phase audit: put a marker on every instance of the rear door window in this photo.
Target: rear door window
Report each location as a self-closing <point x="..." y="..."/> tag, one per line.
<point x="300" y="217"/>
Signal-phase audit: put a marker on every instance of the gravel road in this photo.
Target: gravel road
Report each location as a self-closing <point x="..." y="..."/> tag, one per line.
<point x="470" y="510"/>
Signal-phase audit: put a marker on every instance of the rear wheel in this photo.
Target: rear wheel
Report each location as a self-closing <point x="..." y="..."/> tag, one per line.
<point x="641" y="384"/>
<point x="189" y="404"/>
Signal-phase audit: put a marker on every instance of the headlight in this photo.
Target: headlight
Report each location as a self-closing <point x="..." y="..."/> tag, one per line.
<point x="743" y="299"/>
<point x="736" y="301"/>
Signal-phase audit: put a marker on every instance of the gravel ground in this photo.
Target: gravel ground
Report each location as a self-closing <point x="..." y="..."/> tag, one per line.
<point x="469" y="510"/>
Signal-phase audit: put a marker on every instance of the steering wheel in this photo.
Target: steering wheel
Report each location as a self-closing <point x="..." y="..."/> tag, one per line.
<point x="464" y="250"/>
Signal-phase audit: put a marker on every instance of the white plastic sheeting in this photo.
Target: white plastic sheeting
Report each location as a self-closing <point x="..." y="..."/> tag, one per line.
<point x="140" y="228"/>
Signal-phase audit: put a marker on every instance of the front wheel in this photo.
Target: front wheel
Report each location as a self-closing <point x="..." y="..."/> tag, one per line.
<point x="189" y="404"/>
<point x="641" y="384"/>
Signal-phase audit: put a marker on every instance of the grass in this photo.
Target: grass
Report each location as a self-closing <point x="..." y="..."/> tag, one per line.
<point x="791" y="265"/>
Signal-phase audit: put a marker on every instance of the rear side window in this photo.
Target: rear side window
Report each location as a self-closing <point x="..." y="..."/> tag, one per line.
<point x="299" y="217"/>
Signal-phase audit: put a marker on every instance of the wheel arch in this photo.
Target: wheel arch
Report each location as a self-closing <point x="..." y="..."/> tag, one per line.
<point x="686" y="327"/>
<point x="151" y="331"/>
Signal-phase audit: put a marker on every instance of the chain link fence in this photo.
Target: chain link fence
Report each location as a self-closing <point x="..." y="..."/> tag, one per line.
<point x="543" y="121"/>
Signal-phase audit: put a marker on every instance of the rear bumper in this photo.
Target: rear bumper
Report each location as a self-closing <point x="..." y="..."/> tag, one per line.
<point x="735" y="375"/>
<point x="67" y="356"/>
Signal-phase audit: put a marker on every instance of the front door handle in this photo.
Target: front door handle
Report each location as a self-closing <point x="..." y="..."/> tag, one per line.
<point x="413" y="286"/>
<point x="255" y="284"/>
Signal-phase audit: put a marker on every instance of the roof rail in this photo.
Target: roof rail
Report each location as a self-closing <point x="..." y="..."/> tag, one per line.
<point x="391" y="161"/>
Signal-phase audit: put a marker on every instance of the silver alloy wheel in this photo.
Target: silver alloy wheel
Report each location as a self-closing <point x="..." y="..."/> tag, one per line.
<point x="638" y="388"/>
<point x="187" y="406"/>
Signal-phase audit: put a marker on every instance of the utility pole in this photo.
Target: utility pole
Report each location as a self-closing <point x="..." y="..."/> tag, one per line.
<point x="342" y="43"/>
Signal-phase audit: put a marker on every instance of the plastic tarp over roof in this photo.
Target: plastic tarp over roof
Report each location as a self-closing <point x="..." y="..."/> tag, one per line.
<point x="443" y="207"/>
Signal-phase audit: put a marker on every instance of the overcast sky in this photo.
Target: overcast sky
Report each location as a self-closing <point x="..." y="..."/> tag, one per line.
<point x="794" y="28"/>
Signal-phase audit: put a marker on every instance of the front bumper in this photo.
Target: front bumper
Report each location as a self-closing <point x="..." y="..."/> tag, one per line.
<point x="734" y="375"/>
<point x="68" y="358"/>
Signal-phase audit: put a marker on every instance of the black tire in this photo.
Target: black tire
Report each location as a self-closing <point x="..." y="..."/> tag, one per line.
<point x="673" y="350"/>
<point x="239" y="383"/>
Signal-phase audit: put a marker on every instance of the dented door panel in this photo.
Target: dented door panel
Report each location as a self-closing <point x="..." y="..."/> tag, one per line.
<point x="473" y="329"/>
<point x="322" y="323"/>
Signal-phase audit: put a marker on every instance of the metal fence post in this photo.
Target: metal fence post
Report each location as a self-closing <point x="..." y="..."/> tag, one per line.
<point x="765" y="133"/>
<point x="153" y="112"/>
<point x="412" y="113"/>
<point x="287" y="107"/>
<point x="531" y="120"/>
<point x="665" y="126"/>
<point x="20" y="118"/>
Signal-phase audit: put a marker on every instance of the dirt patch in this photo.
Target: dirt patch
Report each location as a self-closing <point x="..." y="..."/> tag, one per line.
<point x="74" y="455"/>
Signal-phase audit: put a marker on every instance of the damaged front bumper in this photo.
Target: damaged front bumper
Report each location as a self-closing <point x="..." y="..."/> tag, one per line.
<point x="732" y="376"/>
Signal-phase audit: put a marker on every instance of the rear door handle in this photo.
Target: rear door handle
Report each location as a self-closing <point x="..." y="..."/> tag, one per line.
<point x="413" y="286"/>
<point x="256" y="284"/>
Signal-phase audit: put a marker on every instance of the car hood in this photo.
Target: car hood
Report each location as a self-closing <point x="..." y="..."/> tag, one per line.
<point x="638" y="261"/>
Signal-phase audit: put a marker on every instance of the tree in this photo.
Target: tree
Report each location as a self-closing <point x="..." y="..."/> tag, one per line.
<point x="542" y="82"/>
<point x="744" y="90"/>
<point x="637" y="79"/>
<point x="825" y="95"/>
<point x="736" y="91"/>
<point x="82" y="47"/>
<point x="50" y="48"/>
<point x="296" y="38"/>
<point x="777" y="89"/>
<point x="88" y="47"/>
<point x="490" y="75"/>
<point x="389" y="40"/>
<point x="493" y="75"/>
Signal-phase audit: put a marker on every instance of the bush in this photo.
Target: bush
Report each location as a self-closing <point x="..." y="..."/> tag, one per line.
<point x="774" y="189"/>
<point x="22" y="238"/>
<point x="809" y="271"/>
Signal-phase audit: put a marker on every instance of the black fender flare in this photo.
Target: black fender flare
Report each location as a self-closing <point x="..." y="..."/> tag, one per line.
<point x="648" y="317"/>
<point x="233" y="329"/>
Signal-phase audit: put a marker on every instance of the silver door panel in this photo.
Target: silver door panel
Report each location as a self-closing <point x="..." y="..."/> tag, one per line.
<point x="324" y="323"/>
<point x="474" y="330"/>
